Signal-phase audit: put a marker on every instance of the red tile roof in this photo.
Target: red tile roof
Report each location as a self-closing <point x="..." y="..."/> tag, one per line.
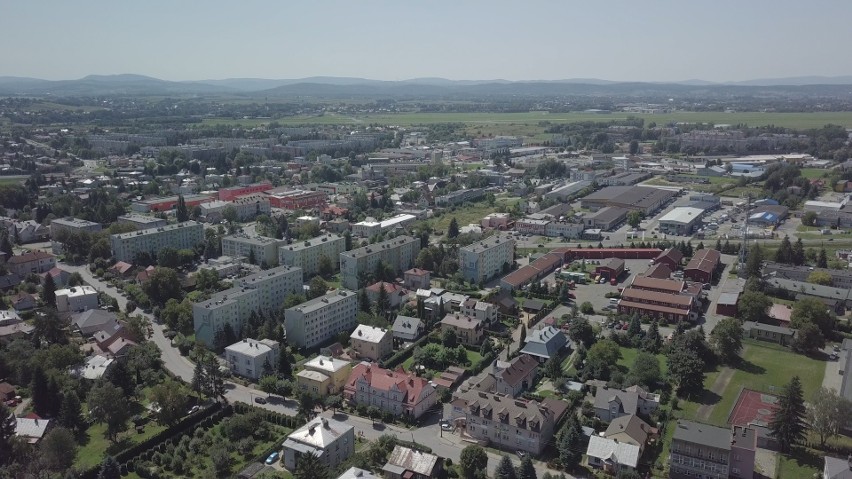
<point x="706" y="260"/>
<point x="657" y="284"/>
<point x="27" y="257"/>
<point x="385" y="379"/>
<point x="667" y="298"/>
<point x="390" y="288"/>
<point x="671" y="253"/>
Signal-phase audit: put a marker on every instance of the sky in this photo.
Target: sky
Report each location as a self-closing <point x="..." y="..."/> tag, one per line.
<point x="651" y="40"/>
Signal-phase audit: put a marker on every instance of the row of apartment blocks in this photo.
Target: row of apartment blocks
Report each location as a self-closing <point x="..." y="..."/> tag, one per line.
<point x="263" y="291"/>
<point x="306" y="255"/>
<point x="484" y="260"/>
<point x="126" y="246"/>
<point x="397" y="253"/>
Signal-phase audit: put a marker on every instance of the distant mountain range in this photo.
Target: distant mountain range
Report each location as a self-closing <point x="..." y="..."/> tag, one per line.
<point x="129" y="84"/>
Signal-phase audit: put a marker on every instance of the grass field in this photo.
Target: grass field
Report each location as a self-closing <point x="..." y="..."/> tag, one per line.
<point x="628" y="357"/>
<point x="92" y="452"/>
<point x="811" y="173"/>
<point x="764" y="366"/>
<point x="521" y="121"/>
<point x="464" y="216"/>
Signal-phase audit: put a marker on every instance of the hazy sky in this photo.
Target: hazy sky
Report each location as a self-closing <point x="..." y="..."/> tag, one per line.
<point x="651" y="40"/>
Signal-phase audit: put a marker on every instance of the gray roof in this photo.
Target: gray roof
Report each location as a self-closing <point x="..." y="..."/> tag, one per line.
<point x="703" y="434"/>
<point x="406" y="324"/>
<point x="728" y="298"/>
<point x="331" y="297"/>
<point x="93" y="320"/>
<point x="357" y="473"/>
<point x="611" y="451"/>
<point x="545" y="342"/>
<point x="629" y="400"/>
<point x="837" y="468"/>
<point x="846" y="383"/>
<point x="748" y="325"/>
<point x="811" y="289"/>
<point x="373" y="248"/>
<point x="411" y="460"/>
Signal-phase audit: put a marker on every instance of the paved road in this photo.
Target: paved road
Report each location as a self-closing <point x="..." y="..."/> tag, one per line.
<point x="179" y="365"/>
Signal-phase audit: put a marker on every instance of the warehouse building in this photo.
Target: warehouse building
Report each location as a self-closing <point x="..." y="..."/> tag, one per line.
<point x="636" y="198"/>
<point x="681" y="221"/>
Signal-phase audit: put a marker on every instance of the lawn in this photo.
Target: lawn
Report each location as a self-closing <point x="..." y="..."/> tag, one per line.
<point x="812" y="173"/>
<point x="92" y="452"/>
<point x="464" y="215"/>
<point x="473" y="356"/>
<point x="628" y="356"/>
<point x="802" y="464"/>
<point x="763" y="368"/>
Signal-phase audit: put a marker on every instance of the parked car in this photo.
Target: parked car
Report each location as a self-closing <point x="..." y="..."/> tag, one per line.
<point x="272" y="458"/>
<point x="260" y="400"/>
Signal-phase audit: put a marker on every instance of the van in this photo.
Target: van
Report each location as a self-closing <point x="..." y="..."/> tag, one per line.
<point x="613" y="301"/>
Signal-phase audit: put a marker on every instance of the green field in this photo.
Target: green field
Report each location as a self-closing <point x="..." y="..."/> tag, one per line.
<point x="628" y="357"/>
<point x="524" y="120"/>
<point x="764" y="366"/>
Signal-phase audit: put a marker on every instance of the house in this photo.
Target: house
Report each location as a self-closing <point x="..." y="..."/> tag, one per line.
<point x="323" y="375"/>
<point x="766" y="332"/>
<point x="469" y="331"/>
<point x="94" y="320"/>
<point x="406" y="463"/>
<point x="7" y="392"/>
<point x="630" y="429"/>
<point x="94" y="368"/>
<point x="357" y="473"/>
<point x="726" y="305"/>
<point x="612" y="455"/>
<point x="396" y="294"/>
<point x="371" y="342"/>
<point x="23" y="302"/>
<point x="481" y="310"/>
<point x="251" y="358"/>
<point x="35" y="262"/>
<point x="12" y="327"/>
<point x="611" y="268"/>
<point x="614" y="403"/>
<point x="395" y="392"/>
<point x="703" y="266"/>
<point x="76" y="299"/>
<point x="31" y="430"/>
<point x="545" y="343"/>
<point x="837" y="468"/>
<point x="671" y="257"/>
<point x="332" y="442"/>
<point x="510" y="378"/>
<point x="60" y="277"/>
<point x="406" y="328"/>
<point x="780" y="314"/>
<point x="712" y="452"/>
<point x="121" y="268"/>
<point x="417" y="278"/>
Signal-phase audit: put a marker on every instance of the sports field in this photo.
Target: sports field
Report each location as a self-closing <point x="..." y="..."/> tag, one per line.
<point x="531" y="120"/>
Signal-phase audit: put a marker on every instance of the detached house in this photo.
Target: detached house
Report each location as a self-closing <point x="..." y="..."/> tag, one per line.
<point x="36" y="262"/>
<point x="469" y="331"/>
<point x="371" y="342"/>
<point x="395" y="392"/>
<point x="510" y="378"/>
<point x="614" y="403"/>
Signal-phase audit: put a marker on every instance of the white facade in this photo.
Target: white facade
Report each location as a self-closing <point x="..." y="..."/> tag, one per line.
<point x="251" y="358"/>
<point x="332" y="442"/>
<point x="307" y="254"/>
<point x="320" y="319"/>
<point x="76" y="299"/>
<point x="481" y="310"/>
<point x="184" y="235"/>
<point x="369" y="228"/>
<point x="241" y="245"/>
<point x="250" y="206"/>
<point x="484" y="259"/>
<point x="371" y="342"/>
<point x="399" y="253"/>
<point x="264" y="291"/>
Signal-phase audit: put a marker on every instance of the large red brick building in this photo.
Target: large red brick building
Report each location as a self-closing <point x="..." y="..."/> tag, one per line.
<point x="702" y="266"/>
<point x="229" y="194"/>
<point x="297" y="199"/>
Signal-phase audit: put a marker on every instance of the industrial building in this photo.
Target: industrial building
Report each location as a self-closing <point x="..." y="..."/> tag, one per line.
<point x="639" y="198"/>
<point x="681" y="221"/>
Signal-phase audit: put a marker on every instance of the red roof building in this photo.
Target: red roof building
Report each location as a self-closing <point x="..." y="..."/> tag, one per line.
<point x="571" y="254"/>
<point x="659" y="271"/>
<point x="229" y="194"/>
<point x="669" y="286"/>
<point x="297" y="199"/>
<point x="702" y="266"/>
<point x="668" y="306"/>
<point x="396" y="392"/>
<point x="670" y="257"/>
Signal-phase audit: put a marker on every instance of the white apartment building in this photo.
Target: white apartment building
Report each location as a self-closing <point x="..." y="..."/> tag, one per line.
<point x="60" y="226"/>
<point x="253" y="359"/>
<point x="242" y="245"/>
<point x="250" y="206"/>
<point x="307" y="254"/>
<point x="126" y="246"/>
<point x="320" y="319"/>
<point x="76" y="299"/>
<point x="263" y="291"/>
<point x="484" y="259"/>
<point x="370" y="227"/>
<point x="332" y="442"/>
<point x="141" y="222"/>
<point x="399" y="253"/>
<point x="371" y="342"/>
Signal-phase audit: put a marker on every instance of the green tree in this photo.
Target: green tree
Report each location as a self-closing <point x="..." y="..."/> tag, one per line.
<point x="784" y="254"/>
<point x="788" y="423"/>
<point x="333" y="402"/>
<point x="6" y="246"/>
<point x="49" y="328"/>
<point x="581" y="332"/>
<point x="798" y="253"/>
<point x="812" y="310"/>
<point x="449" y="338"/>
<point x="109" y="469"/>
<point x="828" y="414"/>
<point x="653" y="342"/>
<point x="229" y="214"/>
<point x="58" y="449"/>
<point x="48" y="291"/>
<point x="634" y="329"/>
<point x="808" y="339"/>
<point x="753" y="306"/>
<point x="526" y="470"/>
<point x="383" y="304"/>
<point x="71" y="412"/>
<point x="602" y="359"/>
<point x="8" y="425"/>
<point x="553" y="368"/>
<point x="633" y="148"/>
<point x="645" y="371"/>
<point x="726" y="339"/>
<point x="181" y="213"/>
<point x="108" y="405"/>
<point x="523" y="334"/>
<point x="819" y="277"/>
<point x="453" y="229"/>
<point x="570" y="445"/>
<point x="364" y="301"/>
<point x="318" y="287"/>
<point x="220" y="456"/>
<point x="168" y="258"/>
<point x="309" y="466"/>
<point x="634" y="218"/>
<point x="505" y="469"/>
<point x="163" y="284"/>
<point x="40" y="391"/>
<point x="472" y="461"/>
<point x="822" y="259"/>
<point x="754" y="262"/>
<point x="326" y="268"/>
<point x="686" y="370"/>
<point x="172" y="402"/>
<point x="587" y="308"/>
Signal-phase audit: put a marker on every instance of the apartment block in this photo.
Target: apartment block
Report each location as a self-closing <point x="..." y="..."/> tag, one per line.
<point x="307" y="254"/>
<point x="242" y="245"/>
<point x="141" y="222"/>
<point x="253" y="359"/>
<point x="251" y="206"/>
<point x="320" y="319"/>
<point x="263" y="291"/>
<point x="126" y="246"/>
<point x="72" y="225"/>
<point x="485" y="259"/>
<point x="370" y="227"/>
<point x="398" y="253"/>
<point x="700" y="450"/>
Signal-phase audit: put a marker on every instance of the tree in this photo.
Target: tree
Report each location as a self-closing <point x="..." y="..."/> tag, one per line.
<point x="822" y="259"/>
<point x="570" y="445"/>
<point x="109" y="469"/>
<point x="318" y="287"/>
<point x="581" y="332"/>
<point x="309" y="466"/>
<point x="58" y="449"/>
<point x="168" y="258"/>
<point x="220" y="456"/>
<point x="172" y="402"/>
<point x="48" y="291"/>
<point x="523" y="334"/>
<point x="820" y="277"/>
<point x="382" y="301"/>
<point x="8" y="425"/>
<point x="808" y="339"/>
<point x="686" y="370"/>
<point x="40" y="391"/>
<point x="108" y="405"/>
<point x="449" y="338"/>
<point x="553" y="368"/>
<point x="754" y="262"/>
<point x="726" y="339"/>
<point x="602" y="358"/>
<point x="181" y="212"/>
<point x="645" y="371"/>
<point x="634" y="218"/>
<point x="828" y="414"/>
<point x="325" y="268"/>
<point x="49" y="328"/>
<point x="587" y="308"/>
<point x="505" y="469"/>
<point x="71" y="412"/>
<point x="453" y="229"/>
<point x="784" y="254"/>
<point x="472" y="461"/>
<point x="812" y="310"/>
<point x="798" y="253"/>
<point x="634" y="329"/>
<point x="653" y="342"/>
<point x="364" y="301"/>
<point x="753" y="306"/>
<point x="809" y="218"/>
<point x="633" y="148"/>
<point x="333" y="402"/>
<point x="347" y="241"/>
<point x="163" y="284"/>
<point x="526" y="470"/>
<point x="6" y="246"/>
<point x="252" y="257"/>
<point x="230" y="214"/>
<point x="788" y="423"/>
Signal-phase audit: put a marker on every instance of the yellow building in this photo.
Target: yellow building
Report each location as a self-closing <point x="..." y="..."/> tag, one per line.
<point x="323" y="375"/>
